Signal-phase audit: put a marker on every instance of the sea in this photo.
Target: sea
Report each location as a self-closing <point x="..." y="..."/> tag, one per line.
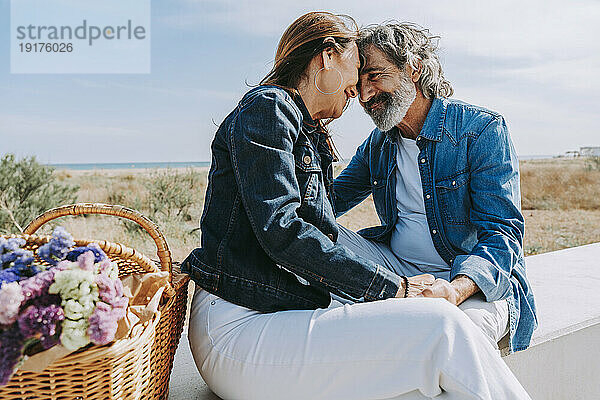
<point x="131" y="165"/>
<point x="160" y="165"/>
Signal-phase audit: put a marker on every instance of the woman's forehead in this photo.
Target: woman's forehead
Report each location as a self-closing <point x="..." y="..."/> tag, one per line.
<point x="352" y="55"/>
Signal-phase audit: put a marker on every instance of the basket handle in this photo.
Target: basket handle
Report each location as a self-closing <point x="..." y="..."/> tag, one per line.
<point x="163" y="252"/>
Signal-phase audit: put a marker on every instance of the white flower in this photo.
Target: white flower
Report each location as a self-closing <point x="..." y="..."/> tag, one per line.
<point x="11" y="298"/>
<point x="74" y="334"/>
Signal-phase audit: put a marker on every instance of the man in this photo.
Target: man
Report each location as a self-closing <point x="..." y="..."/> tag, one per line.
<point x="445" y="182"/>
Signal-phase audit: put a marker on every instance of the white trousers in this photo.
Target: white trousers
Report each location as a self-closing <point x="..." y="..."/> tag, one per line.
<point x="491" y="317"/>
<point x="390" y="349"/>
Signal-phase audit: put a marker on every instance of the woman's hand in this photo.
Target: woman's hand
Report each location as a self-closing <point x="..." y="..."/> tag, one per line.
<point x="416" y="284"/>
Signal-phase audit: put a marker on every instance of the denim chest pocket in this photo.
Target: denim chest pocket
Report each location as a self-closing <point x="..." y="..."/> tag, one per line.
<point x="454" y="199"/>
<point x="307" y="172"/>
<point x="378" y="188"/>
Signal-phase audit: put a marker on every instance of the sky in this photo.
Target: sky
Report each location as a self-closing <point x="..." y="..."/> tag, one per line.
<point x="535" y="62"/>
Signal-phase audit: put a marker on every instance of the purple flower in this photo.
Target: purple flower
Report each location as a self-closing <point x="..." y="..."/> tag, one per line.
<point x="11" y="298"/>
<point x="38" y="285"/>
<point x="11" y="351"/>
<point x="86" y="261"/>
<point x="109" y="290"/>
<point x="104" y="320"/>
<point x="57" y="247"/>
<point x="43" y="323"/>
<point x="99" y="254"/>
<point x="103" y="324"/>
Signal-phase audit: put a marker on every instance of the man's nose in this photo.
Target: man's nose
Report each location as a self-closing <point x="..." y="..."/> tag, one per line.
<point x="366" y="92"/>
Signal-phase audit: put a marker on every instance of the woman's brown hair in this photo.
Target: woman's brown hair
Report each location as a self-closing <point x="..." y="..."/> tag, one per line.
<point x="301" y="42"/>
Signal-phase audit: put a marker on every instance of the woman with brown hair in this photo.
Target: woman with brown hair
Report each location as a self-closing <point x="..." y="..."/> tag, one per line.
<point x="263" y="324"/>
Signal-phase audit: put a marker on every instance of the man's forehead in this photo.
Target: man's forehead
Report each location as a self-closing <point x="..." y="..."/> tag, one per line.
<point x="374" y="59"/>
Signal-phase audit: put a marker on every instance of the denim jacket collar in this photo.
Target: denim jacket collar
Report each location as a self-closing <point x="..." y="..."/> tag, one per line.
<point x="307" y="120"/>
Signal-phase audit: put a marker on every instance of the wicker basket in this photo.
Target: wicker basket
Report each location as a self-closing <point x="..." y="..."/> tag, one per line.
<point x="133" y="368"/>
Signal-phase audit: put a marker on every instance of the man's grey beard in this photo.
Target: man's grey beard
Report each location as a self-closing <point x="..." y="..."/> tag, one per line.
<point x="395" y="105"/>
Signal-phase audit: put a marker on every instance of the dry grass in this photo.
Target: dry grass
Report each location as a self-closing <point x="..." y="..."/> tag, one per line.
<point x="561" y="202"/>
<point x="560" y="184"/>
<point x="133" y="188"/>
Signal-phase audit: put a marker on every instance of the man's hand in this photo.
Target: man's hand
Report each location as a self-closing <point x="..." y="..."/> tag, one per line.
<point x="416" y="284"/>
<point x="457" y="291"/>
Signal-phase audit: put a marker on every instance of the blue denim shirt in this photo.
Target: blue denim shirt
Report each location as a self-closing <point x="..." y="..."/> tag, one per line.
<point x="268" y="227"/>
<point x="470" y="177"/>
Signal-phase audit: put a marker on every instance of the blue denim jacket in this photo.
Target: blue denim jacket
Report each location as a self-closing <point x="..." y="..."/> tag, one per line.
<point x="268" y="226"/>
<point x="470" y="178"/>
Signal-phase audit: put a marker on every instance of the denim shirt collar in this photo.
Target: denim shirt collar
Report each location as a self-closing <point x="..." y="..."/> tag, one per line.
<point x="432" y="128"/>
<point x="433" y="125"/>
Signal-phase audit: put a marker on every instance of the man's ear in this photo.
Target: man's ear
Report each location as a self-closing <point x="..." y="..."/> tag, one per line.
<point x="415" y="74"/>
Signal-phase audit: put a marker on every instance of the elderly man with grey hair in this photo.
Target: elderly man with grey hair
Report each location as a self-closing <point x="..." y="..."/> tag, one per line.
<point x="445" y="182"/>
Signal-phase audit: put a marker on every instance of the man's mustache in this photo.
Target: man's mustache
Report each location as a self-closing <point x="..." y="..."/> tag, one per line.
<point x="382" y="98"/>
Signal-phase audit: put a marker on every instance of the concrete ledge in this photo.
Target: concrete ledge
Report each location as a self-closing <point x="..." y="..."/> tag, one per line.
<point x="563" y="361"/>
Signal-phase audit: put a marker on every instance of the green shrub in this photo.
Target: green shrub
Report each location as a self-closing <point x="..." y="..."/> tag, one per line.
<point x="593" y="163"/>
<point x="173" y="193"/>
<point x="28" y="188"/>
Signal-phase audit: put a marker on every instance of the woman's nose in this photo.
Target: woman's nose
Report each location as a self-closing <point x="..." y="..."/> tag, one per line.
<point x="352" y="92"/>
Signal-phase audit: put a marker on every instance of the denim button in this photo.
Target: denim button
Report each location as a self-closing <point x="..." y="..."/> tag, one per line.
<point x="307" y="159"/>
<point x="422" y="160"/>
<point x="453" y="183"/>
<point x="375" y="183"/>
<point x="213" y="302"/>
<point x="428" y="196"/>
<point x="434" y="231"/>
<point x="330" y="236"/>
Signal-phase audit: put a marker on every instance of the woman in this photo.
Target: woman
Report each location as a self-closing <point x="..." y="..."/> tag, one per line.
<point x="262" y="323"/>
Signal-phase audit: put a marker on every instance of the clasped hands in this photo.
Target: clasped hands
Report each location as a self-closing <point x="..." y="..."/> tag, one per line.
<point x="426" y="285"/>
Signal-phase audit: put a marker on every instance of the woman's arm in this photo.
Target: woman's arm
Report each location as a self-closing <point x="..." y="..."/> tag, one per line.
<point x="261" y="140"/>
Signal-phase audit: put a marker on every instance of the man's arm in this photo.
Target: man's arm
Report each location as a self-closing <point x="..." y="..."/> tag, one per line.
<point x="495" y="212"/>
<point x="353" y="184"/>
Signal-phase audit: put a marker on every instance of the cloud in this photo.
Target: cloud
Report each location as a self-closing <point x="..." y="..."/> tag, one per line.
<point x="158" y="87"/>
<point x="548" y="36"/>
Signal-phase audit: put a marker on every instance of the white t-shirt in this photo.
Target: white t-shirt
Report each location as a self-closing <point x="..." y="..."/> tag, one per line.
<point x="411" y="239"/>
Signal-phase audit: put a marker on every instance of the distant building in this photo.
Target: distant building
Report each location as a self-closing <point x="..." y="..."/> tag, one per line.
<point x="572" y="154"/>
<point x="592" y="151"/>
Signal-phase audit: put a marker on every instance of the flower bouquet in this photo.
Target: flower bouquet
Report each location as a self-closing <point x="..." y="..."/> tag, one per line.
<point x="76" y="299"/>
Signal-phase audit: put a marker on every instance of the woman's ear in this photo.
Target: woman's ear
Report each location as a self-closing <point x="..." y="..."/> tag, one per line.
<point x="326" y="56"/>
<point x="327" y="53"/>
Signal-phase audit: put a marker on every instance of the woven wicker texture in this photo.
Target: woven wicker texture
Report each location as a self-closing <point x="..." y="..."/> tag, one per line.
<point x="134" y="368"/>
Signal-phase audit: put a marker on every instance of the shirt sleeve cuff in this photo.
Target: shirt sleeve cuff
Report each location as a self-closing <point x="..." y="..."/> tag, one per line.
<point x="385" y="285"/>
<point x="493" y="282"/>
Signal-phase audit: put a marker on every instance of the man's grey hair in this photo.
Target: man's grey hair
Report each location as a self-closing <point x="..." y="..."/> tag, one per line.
<point x="405" y="43"/>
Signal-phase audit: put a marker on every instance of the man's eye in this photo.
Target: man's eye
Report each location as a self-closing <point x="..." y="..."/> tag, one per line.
<point x="374" y="76"/>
